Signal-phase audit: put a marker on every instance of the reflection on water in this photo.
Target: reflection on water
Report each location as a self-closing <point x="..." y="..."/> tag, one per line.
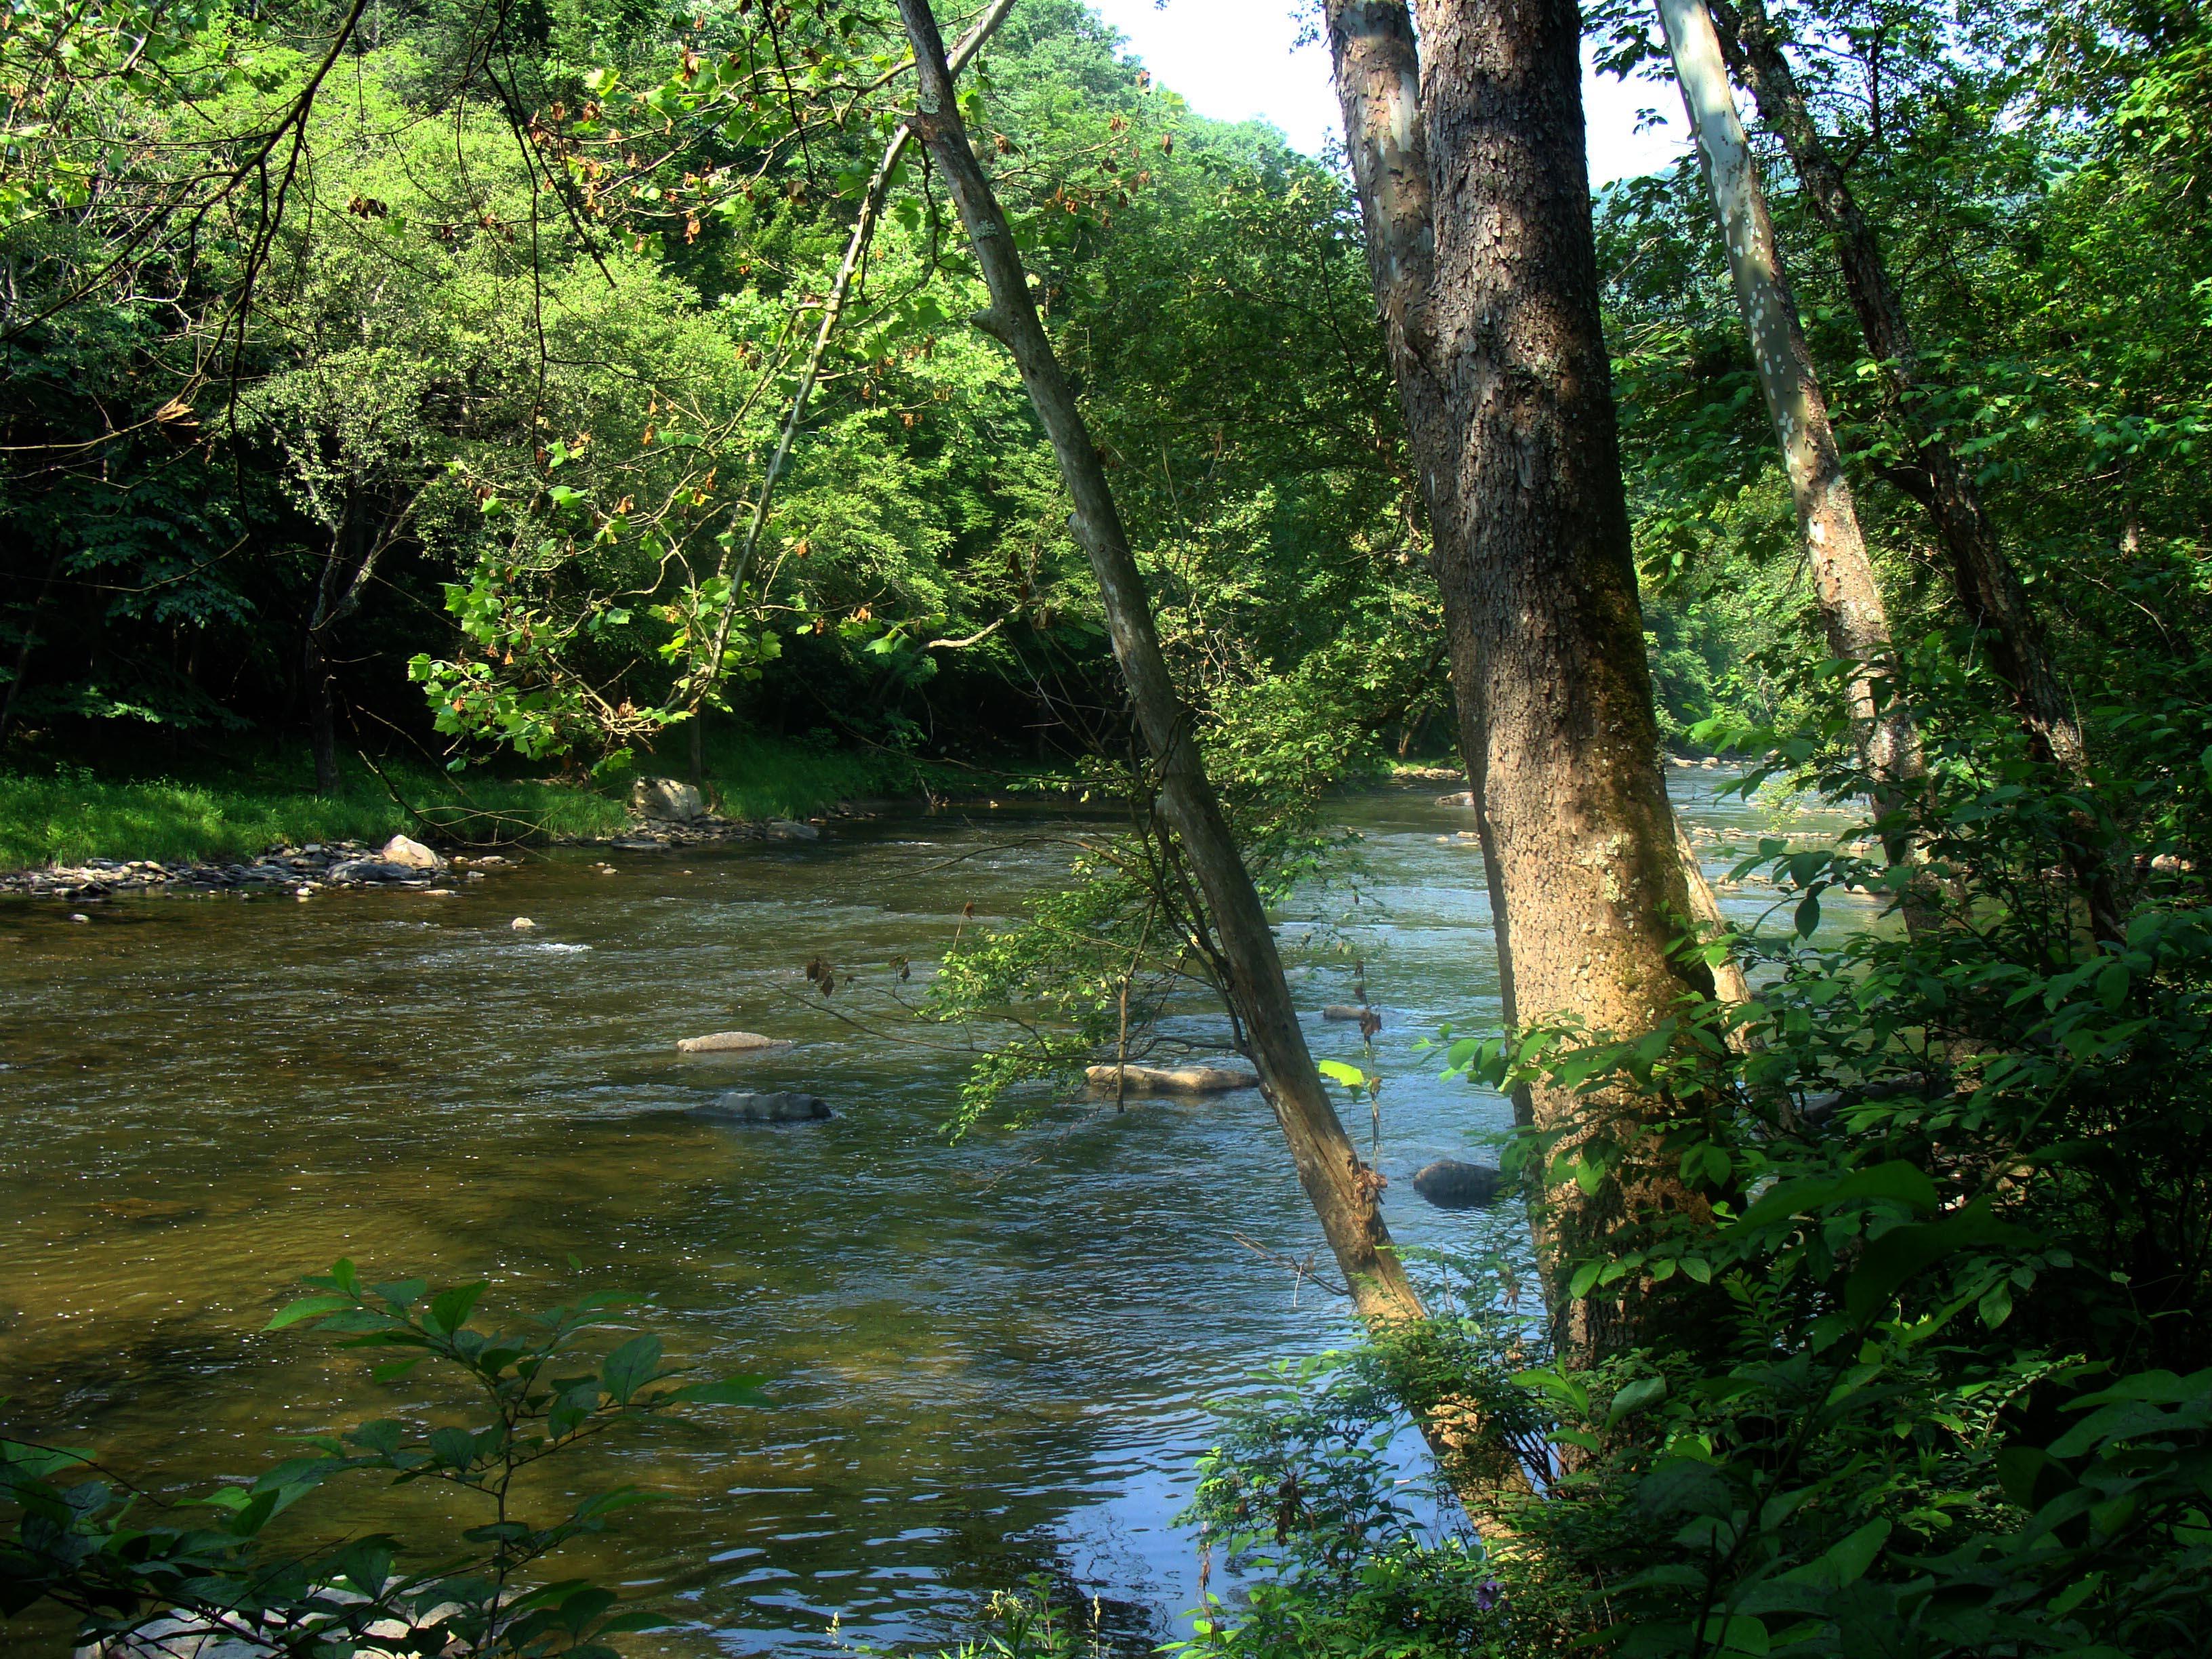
<point x="989" y="1359"/>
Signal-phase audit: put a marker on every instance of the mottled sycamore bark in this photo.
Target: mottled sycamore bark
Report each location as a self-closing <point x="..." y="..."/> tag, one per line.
<point x="1342" y="1190"/>
<point x="1852" y="615"/>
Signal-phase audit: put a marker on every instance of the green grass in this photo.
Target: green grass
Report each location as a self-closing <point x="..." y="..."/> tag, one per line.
<point x="752" y="776"/>
<point x="73" y="813"/>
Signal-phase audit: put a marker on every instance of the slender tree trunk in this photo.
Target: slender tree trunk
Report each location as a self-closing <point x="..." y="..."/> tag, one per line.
<point x="322" y="698"/>
<point x="1342" y="1190"/>
<point x="1378" y="88"/>
<point x="1989" y="587"/>
<point x="1849" y="599"/>
<point x="737" y="559"/>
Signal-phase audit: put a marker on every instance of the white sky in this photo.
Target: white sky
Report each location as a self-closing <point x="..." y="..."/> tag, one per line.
<point x="1233" y="59"/>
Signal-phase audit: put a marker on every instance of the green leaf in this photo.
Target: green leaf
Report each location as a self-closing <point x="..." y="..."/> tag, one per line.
<point x="450" y="1309"/>
<point x="1644" y="1391"/>
<point x="629" y="1367"/>
<point x="730" y="1391"/>
<point x="1903" y="1252"/>
<point x="308" y="1307"/>
<point x="1350" y="1076"/>
<point x="1896" y="1181"/>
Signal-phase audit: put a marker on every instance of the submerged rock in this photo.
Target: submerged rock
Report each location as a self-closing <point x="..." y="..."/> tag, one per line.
<point x="780" y="1106"/>
<point x="1451" y="1185"/>
<point x="729" y="1042"/>
<point x="364" y="870"/>
<point x="792" y="829"/>
<point x="666" y="800"/>
<point x="1172" y="1080"/>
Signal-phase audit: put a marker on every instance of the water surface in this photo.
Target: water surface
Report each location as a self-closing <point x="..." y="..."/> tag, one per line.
<point x="989" y="1359"/>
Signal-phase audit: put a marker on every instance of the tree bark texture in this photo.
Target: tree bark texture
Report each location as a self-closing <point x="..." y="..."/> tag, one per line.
<point x="1493" y="319"/>
<point x="1852" y="614"/>
<point x="1563" y="733"/>
<point x="1989" y="588"/>
<point x="1343" y="1190"/>
<point x="1378" y="87"/>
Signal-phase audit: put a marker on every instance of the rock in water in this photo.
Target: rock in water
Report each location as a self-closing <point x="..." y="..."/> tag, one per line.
<point x="1464" y="797"/>
<point x="412" y="854"/>
<point x="782" y="1106"/>
<point x="729" y="1042"/>
<point x="355" y="871"/>
<point x="1451" y="1185"/>
<point x="1172" y="1080"/>
<point x="792" y="829"/>
<point x="1350" y="1011"/>
<point x="522" y="924"/>
<point x="667" y="800"/>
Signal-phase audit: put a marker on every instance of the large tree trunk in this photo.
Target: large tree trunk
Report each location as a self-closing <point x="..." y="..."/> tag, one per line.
<point x="1849" y="599"/>
<point x="1343" y="1190"/>
<point x="1494" y="336"/>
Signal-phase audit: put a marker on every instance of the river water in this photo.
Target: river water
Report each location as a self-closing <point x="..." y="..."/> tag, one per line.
<point x="988" y="1359"/>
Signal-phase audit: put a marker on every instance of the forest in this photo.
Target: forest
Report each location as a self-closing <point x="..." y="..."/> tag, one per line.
<point x="1052" y="547"/>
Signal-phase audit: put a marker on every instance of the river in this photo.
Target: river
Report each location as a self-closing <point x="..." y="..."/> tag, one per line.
<point x="988" y="1359"/>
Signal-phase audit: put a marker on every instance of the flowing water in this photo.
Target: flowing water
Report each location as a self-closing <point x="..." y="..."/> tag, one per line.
<point x="988" y="1359"/>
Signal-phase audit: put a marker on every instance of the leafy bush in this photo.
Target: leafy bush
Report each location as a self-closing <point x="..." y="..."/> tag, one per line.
<point x="125" y="1565"/>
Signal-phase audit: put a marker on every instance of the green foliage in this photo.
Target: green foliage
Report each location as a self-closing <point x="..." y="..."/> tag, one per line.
<point x="122" y="1563"/>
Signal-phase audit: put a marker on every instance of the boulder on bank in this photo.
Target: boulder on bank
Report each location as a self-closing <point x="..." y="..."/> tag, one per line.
<point x="666" y="800"/>
<point x="1451" y="1185"/>
<point x="729" y="1042"/>
<point x="1172" y="1080"/>
<point x="781" y="1106"/>
<point x="409" y="854"/>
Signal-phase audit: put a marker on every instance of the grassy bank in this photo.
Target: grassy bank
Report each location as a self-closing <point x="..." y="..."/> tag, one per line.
<point x="66" y="814"/>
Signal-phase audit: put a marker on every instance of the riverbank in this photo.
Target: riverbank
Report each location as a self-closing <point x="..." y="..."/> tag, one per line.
<point x="213" y="816"/>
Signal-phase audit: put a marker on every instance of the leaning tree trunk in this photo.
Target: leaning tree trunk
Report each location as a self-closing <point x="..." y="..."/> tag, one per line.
<point x="1989" y="588"/>
<point x="1843" y="586"/>
<point x="1342" y="1190"/>
<point x="1520" y="462"/>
